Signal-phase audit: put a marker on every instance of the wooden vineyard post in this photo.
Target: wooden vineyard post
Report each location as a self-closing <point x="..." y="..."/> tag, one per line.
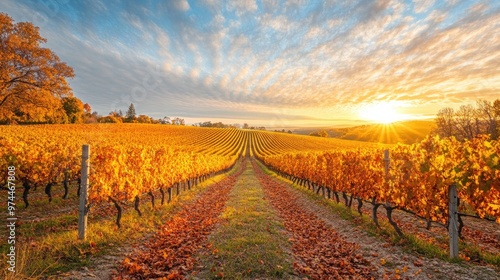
<point x="388" y="206"/>
<point x="387" y="161"/>
<point x="82" y="208"/>
<point x="452" y="223"/>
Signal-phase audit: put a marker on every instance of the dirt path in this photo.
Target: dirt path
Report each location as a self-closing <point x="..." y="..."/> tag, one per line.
<point x="320" y="252"/>
<point x="390" y="261"/>
<point x="225" y="229"/>
<point x="251" y="241"/>
<point x="169" y="251"/>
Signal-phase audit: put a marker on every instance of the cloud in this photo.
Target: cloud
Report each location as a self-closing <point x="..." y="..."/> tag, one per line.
<point x="278" y="23"/>
<point x="270" y="5"/>
<point x="242" y="7"/>
<point x="181" y="5"/>
<point x="422" y="5"/>
<point x="255" y="56"/>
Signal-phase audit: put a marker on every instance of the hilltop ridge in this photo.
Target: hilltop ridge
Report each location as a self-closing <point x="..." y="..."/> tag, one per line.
<point x="407" y="132"/>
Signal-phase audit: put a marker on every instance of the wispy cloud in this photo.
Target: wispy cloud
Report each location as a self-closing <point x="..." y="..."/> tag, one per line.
<point x="218" y="59"/>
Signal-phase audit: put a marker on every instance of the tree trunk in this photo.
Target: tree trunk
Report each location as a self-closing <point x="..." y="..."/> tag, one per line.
<point x="345" y="199"/>
<point x="169" y="191"/>
<point x="66" y="184"/>
<point x="318" y="189"/>
<point x="360" y="204"/>
<point x="79" y="180"/>
<point x="337" y="199"/>
<point x="374" y="212"/>
<point x="162" y="192"/>
<point x="389" y="217"/>
<point x="152" y="199"/>
<point x="119" y="209"/>
<point x="48" y="190"/>
<point x="136" y="205"/>
<point x="460" y="222"/>
<point x="429" y="224"/>
<point x="460" y="226"/>
<point x="26" y="191"/>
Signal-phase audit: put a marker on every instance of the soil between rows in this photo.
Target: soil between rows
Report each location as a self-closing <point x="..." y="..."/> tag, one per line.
<point x="390" y="261"/>
<point x="324" y="246"/>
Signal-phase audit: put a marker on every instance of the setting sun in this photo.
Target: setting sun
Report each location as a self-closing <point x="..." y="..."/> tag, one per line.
<point x="381" y="113"/>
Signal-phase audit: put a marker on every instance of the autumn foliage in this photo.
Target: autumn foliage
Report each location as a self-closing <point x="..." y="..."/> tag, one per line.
<point x="417" y="179"/>
<point x="32" y="78"/>
<point x="321" y="252"/>
<point x="171" y="253"/>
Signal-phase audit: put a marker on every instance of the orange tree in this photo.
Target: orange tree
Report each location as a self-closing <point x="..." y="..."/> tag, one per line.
<point x="32" y="78"/>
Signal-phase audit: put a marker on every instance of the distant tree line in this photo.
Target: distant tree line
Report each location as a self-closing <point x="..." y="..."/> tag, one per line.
<point x="246" y="126"/>
<point x="283" y="131"/>
<point x="235" y="125"/>
<point x="130" y="116"/>
<point x="469" y="121"/>
<point x="216" y="124"/>
<point x="319" y="133"/>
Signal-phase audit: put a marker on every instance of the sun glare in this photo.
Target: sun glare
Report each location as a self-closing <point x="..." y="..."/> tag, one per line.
<point x="380" y="113"/>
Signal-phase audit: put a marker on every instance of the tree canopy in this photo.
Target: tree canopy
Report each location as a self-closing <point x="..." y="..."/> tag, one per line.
<point x="74" y="109"/>
<point x="320" y="133"/>
<point x="32" y="78"/>
<point x="468" y="121"/>
<point x="130" y="115"/>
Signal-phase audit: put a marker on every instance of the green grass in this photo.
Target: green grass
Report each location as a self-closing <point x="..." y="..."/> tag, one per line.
<point x="50" y="246"/>
<point x="476" y="254"/>
<point x="250" y="242"/>
<point x="414" y="244"/>
<point x="55" y="224"/>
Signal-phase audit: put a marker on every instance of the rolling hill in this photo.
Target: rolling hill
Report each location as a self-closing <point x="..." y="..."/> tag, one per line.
<point x="406" y="132"/>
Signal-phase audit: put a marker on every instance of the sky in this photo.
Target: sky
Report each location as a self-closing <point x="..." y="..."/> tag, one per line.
<point x="274" y="63"/>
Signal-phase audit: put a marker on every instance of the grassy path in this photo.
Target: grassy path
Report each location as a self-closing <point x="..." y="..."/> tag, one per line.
<point x="47" y="235"/>
<point x="251" y="242"/>
<point x="251" y="225"/>
<point x="170" y="253"/>
<point x="247" y="224"/>
<point x="385" y="259"/>
<point x="320" y="252"/>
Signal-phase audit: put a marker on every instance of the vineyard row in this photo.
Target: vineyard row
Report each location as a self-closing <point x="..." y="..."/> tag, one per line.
<point x="416" y="178"/>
